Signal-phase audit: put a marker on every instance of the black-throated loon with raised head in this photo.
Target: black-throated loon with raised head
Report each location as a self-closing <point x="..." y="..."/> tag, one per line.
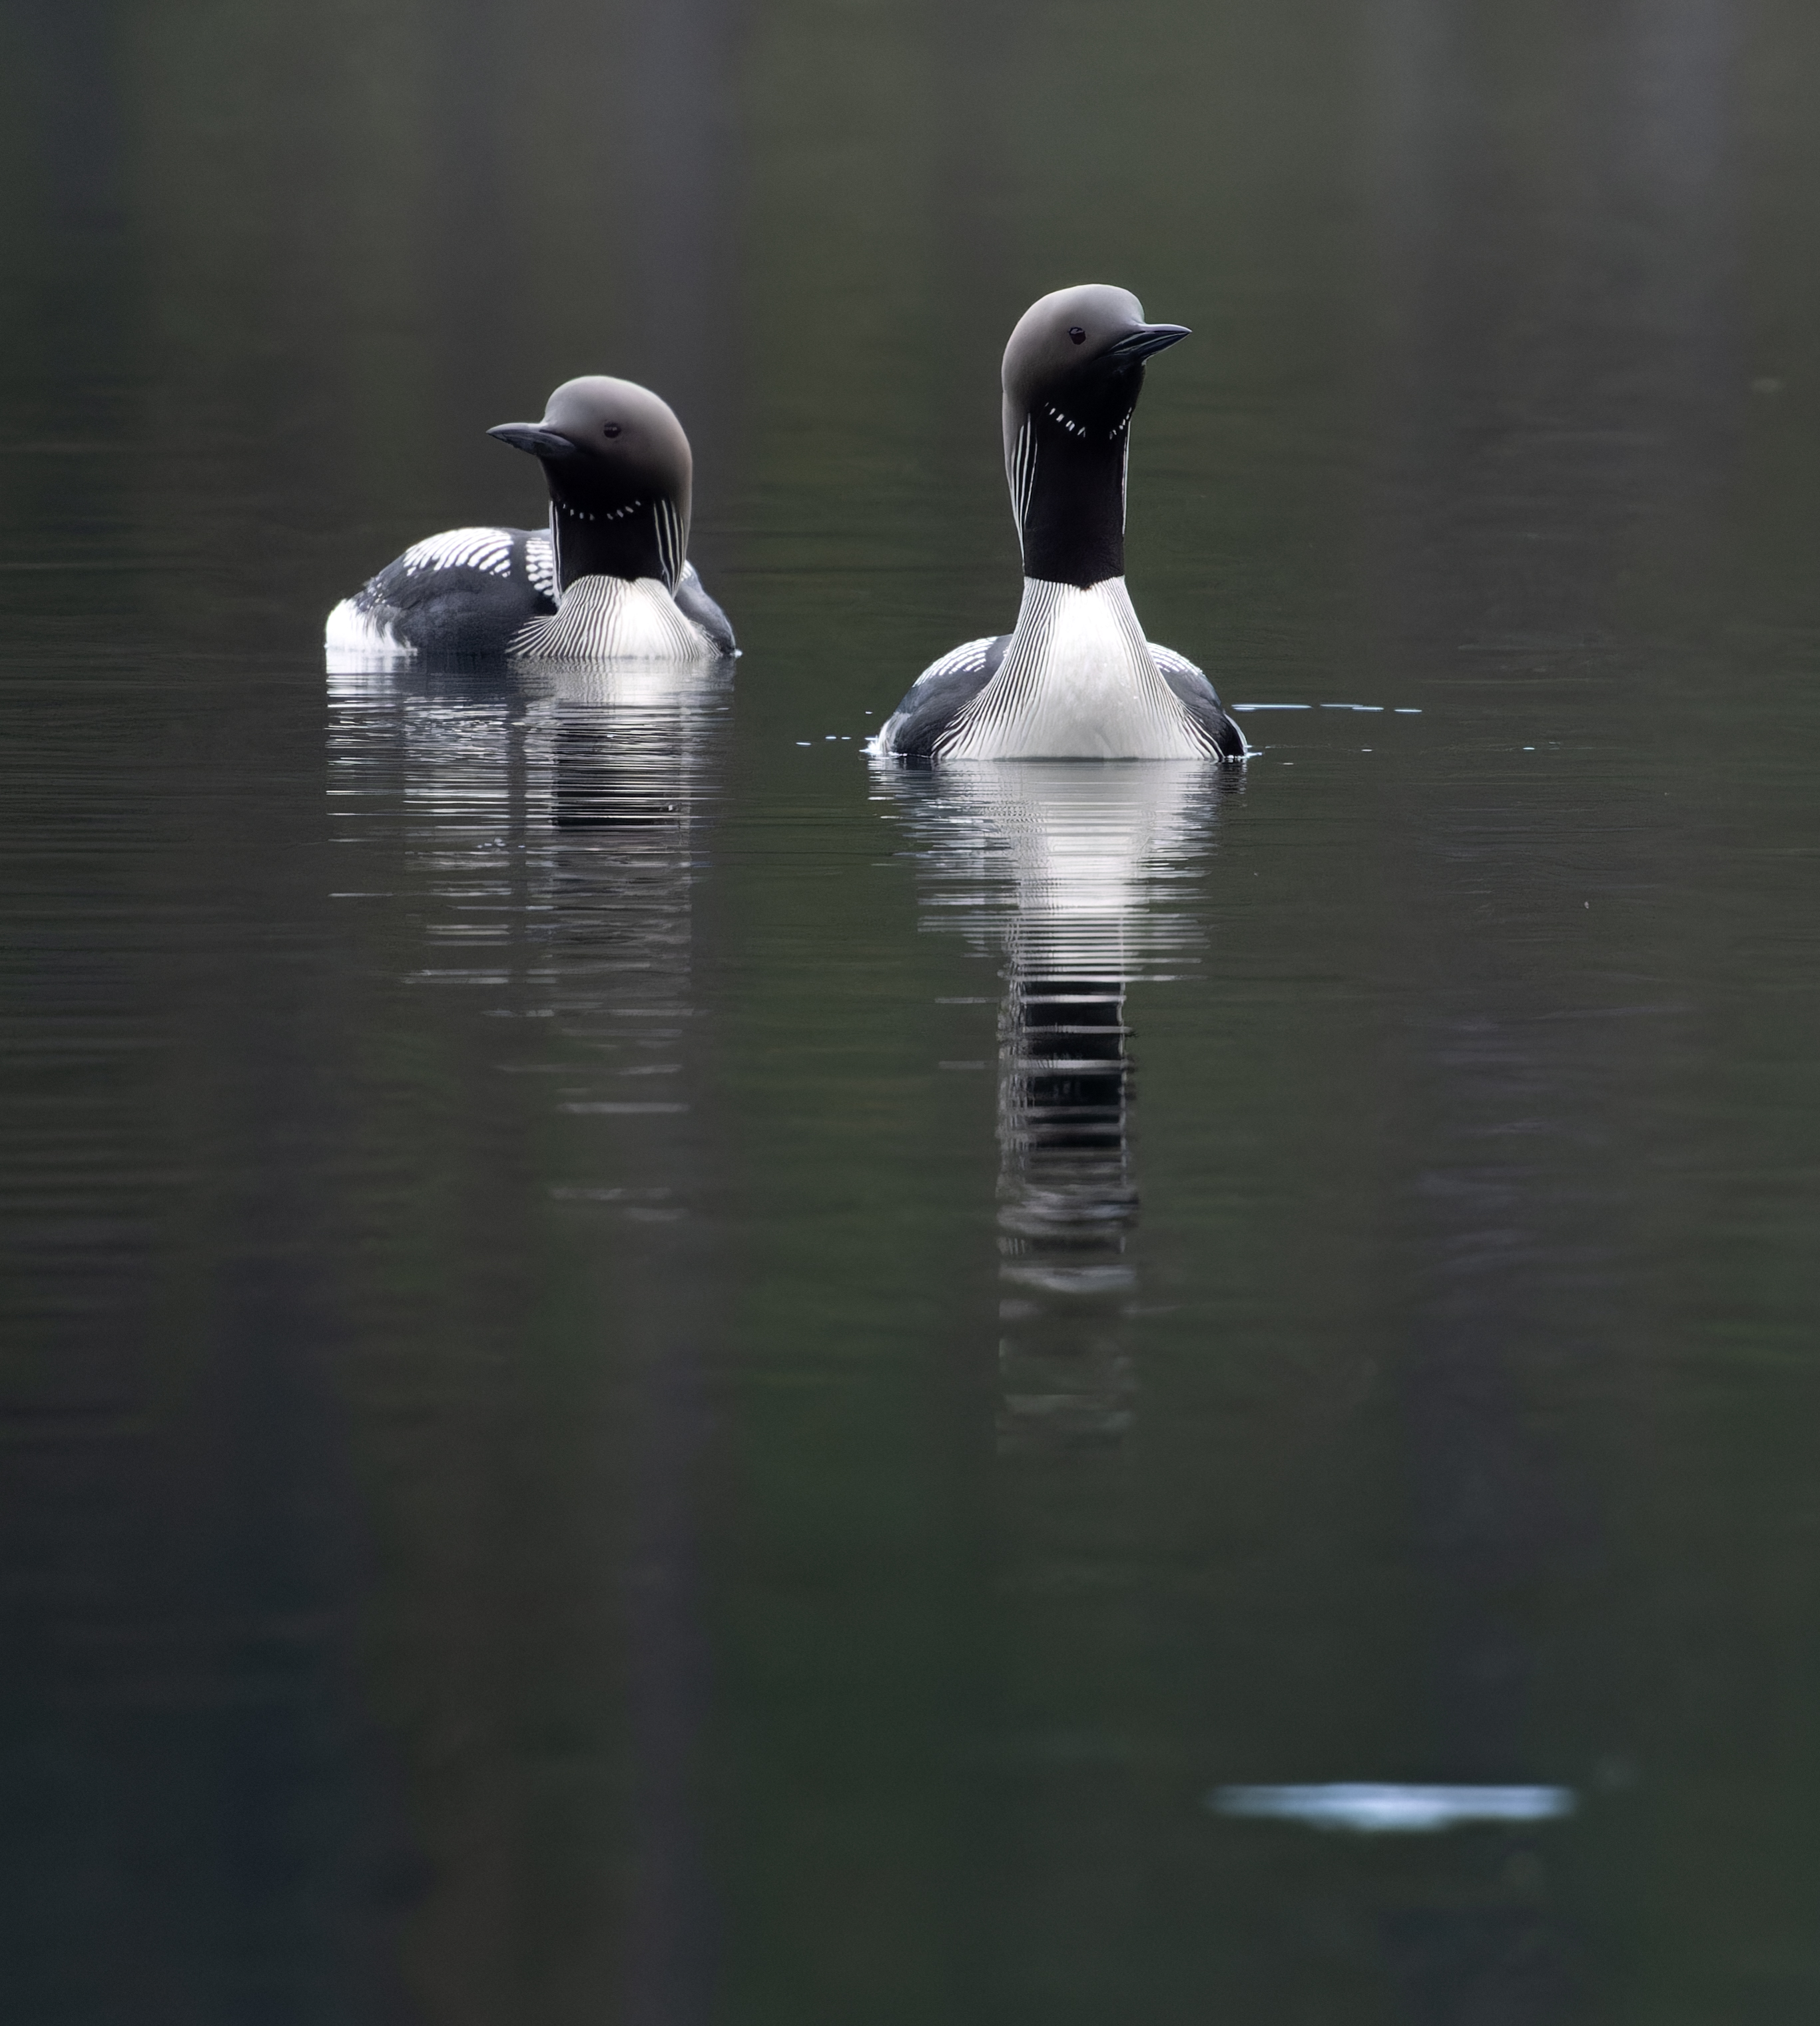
<point x="609" y="578"/>
<point x="1075" y="680"/>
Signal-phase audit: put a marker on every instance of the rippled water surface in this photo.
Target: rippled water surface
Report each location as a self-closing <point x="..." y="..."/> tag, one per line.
<point x="653" y="1375"/>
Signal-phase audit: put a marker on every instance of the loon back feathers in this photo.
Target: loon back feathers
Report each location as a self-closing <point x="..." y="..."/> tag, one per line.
<point x="488" y="592"/>
<point x="466" y="592"/>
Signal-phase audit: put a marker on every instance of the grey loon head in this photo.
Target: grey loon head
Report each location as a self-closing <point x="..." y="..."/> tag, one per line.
<point x="620" y="474"/>
<point x="1073" y="372"/>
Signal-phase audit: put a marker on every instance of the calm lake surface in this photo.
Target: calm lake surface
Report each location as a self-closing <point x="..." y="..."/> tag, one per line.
<point x="650" y="1376"/>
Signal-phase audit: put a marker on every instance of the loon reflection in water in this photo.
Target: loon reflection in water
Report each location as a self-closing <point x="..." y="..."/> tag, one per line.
<point x="550" y="825"/>
<point x="579" y="790"/>
<point x="1066" y="869"/>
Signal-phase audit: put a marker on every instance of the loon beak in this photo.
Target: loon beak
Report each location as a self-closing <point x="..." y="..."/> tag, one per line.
<point x="1138" y="344"/>
<point x="538" y="440"/>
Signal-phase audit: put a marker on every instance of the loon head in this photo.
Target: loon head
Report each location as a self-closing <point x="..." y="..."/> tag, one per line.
<point x="1073" y="372"/>
<point x="619" y="472"/>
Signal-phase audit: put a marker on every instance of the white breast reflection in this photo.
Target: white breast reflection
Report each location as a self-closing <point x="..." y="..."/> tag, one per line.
<point x="550" y="820"/>
<point x="1077" y="877"/>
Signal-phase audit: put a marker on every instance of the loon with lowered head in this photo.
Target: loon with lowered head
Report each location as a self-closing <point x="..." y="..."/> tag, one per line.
<point x="610" y="576"/>
<point x="1075" y="680"/>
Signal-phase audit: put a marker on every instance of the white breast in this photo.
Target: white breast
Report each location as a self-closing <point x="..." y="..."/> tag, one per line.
<point x="608" y="618"/>
<point x="1077" y="682"/>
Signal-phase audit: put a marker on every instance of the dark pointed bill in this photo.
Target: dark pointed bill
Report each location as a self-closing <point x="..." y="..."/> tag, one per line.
<point x="531" y="436"/>
<point x="1147" y="338"/>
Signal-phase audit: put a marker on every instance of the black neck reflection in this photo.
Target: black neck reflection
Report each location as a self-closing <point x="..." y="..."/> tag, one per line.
<point x="1067" y="1207"/>
<point x="1072" y="875"/>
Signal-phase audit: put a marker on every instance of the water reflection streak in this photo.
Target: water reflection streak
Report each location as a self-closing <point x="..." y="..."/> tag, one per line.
<point x="1071" y="872"/>
<point x="553" y="824"/>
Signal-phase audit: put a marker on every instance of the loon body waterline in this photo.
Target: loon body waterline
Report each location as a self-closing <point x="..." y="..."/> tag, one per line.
<point x="1075" y="679"/>
<point x="609" y="579"/>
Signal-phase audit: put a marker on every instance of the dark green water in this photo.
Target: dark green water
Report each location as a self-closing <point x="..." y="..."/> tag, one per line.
<point x="590" y="1429"/>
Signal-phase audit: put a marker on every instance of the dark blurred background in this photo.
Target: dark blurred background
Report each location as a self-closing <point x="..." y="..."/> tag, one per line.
<point x="476" y="1546"/>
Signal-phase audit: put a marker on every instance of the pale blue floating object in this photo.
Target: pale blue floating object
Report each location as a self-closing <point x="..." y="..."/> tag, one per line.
<point x="1273" y="706"/>
<point x="1377" y="1808"/>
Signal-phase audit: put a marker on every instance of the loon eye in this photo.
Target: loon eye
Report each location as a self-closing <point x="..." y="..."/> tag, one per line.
<point x="612" y="430"/>
<point x="1076" y="333"/>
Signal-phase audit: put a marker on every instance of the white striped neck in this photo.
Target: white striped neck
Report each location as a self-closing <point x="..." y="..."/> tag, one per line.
<point x="644" y="537"/>
<point x="1067" y="479"/>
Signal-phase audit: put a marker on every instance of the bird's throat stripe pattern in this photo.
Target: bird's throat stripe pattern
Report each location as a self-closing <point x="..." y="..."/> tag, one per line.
<point x="1077" y="682"/>
<point x="1023" y="475"/>
<point x="611" y="618"/>
<point x="672" y="537"/>
<point x="671" y="542"/>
